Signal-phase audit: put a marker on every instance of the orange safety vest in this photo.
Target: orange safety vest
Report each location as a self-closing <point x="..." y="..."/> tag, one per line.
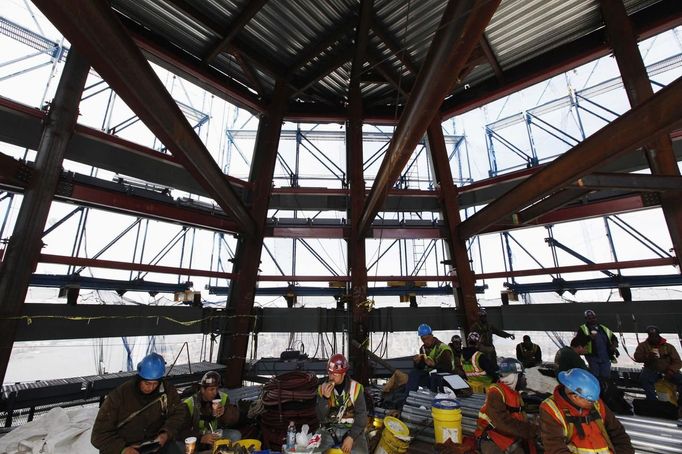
<point x="584" y="430"/>
<point x="341" y="406"/>
<point x="512" y="399"/>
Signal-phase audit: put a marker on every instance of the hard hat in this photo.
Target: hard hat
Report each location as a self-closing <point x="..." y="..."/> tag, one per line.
<point x="473" y="338"/>
<point x="424" y="330"/>
<point x="338" y="364"/>
<point x="510" y="366"/>
<point x="482" y="311"/>
<point x="580" y="382"/>
<point x="152" y="367"/>
<point x="210" y="378"/>
<point x="651" y="329"/>
<point x="589" y="312"/>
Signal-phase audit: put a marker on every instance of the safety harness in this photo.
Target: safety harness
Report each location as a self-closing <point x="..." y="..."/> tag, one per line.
<point x="163" y="399"/>
<point x="573" y="424"/>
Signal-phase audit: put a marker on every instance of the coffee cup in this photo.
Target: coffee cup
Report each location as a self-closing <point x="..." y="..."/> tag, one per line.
<point x="190" y="445"/>
<point x="215" y="405"/>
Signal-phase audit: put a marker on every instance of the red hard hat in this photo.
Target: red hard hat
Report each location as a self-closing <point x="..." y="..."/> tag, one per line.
<point x="338" y="364"/>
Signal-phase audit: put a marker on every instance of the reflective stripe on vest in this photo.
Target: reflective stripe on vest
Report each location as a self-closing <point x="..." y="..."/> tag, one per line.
<point x="344" y="402"/>
<point x="511" y="399"/>
<point x="472" y="367"/>
<point x="224" y="400"/>
<point x="437" y="350"/>
<point x="573" y="442"/>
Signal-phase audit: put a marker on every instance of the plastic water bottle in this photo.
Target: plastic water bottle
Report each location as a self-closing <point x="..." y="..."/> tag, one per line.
<point x="291" y="435"/>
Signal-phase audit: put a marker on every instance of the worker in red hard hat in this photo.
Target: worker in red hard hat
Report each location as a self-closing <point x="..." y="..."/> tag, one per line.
<point x="341" y="409"/>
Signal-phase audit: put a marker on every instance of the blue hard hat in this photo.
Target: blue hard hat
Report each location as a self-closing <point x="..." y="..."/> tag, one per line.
<point x="424" y="330"/>
<point x="581" y="382"/>
<point x="510" y="366"/>
<point x="152" y="367"/>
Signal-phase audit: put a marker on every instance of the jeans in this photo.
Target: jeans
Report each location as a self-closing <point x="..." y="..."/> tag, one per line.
<point x="599" y="367"/>
<point x="327" y="442"/>
<point x="420" y="377"/>
<point x="649" y="377"/>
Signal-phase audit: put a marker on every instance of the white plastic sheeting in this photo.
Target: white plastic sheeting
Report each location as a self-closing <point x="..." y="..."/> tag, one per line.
<point x="59" y="431"/>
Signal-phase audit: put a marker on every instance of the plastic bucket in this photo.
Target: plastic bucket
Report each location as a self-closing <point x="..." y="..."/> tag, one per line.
<point x="334" y="451"/>
<point x="395" y="439"/>
<point x="248" y="442"/>
<point x="447" y="420"/>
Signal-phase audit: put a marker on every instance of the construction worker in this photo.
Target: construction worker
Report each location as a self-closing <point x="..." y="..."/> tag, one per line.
<point x="502" y="426"/>
<point x="142" y="411"/>
<point x="208" y="421"/>
<point x="575" y="420"/>
<point x="477" y="366"/>
<point x="602" y="348"/>
<point x="433" y="355"/>
<point x="486" y="331"/>
<point x="341" y="409"/>
<point x="528" y="353"/>
<point x="660" y="360"/>
<point x="569" y="357"/>
<point x="456" y="347"/>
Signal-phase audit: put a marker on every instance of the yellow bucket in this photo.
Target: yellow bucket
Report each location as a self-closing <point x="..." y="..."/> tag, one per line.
<point x="377" y="422"/>
<point x="666" y="391"/>
<point x="395" y="439"/>
<point x="478" y="387"/>
<point x="447" y="420"/>
<point x="248" y="442"/>
<point x="334" y="451"/>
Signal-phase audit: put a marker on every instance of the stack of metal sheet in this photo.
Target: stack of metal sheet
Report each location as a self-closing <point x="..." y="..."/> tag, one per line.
<point x="649" y="435"/>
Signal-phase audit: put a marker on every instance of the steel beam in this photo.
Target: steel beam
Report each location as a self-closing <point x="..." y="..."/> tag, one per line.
<point x="548" y="205"/>
<point x="492" y="60"/>
<point x="402" y="54"/>
<point x="94" y="29"/>
<point x="357" y="259"/>
<point x="232" y="351"/>
<point x="647" y="22"/>
<point x="59" y="321"/>
<point x="238" y="23"/>
<point x="460" y="29"/>
<point x="462" y="276"/>
<point x="630" y="182"/>
<point x="659" y="114"/>
<point x="25" y="243"/>
<point x="660" y="154"/>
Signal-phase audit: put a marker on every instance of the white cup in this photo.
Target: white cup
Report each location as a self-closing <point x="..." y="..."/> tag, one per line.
<point x="190" y="445"/>
<point x="215" y="403"/>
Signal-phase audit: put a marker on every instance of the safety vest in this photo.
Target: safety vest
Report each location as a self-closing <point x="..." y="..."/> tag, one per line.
<point x="584" y="430"/>
<point x="515" y="406"/>
<point x="341" y="406"/>
<point x="197" y="421"/>
<point x="436" y="351"/>
<point x="473" y="370"/>
<point x="609" y="335"/>
<point x="528" y="355"/>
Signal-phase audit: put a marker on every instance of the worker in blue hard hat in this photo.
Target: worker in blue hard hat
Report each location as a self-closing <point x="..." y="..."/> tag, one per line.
<point x="144" y="411"/>
<point x="502" y="426"/>
<point x="574" y="419"/>
<point x="433" y="355"/>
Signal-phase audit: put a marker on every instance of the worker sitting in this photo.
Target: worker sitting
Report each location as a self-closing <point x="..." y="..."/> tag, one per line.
<point x="528" y="353"/>
<point x="341" y="409"/>
<point x="434" y="357"/>
<point x="502" y="426"/>
<point x="144" y="410"/>
<point x="210" y="414"/>
<point x="569" y="357"/>
<point x="575" y="420"/>
<point x="479" y="370"/>
<point x="660" y="360"/>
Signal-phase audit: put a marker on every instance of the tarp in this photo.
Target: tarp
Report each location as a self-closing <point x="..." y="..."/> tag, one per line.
<point x="58" y="431"/>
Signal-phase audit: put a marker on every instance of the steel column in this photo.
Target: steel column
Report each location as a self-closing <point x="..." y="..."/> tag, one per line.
<point x="459" y="32"/>
<point x="659" y="153"/>
<point x="24" y="246"/>
<point x="357" y="261"/>
<point x="659" y="114"/>
<point x="233" y="346"/>
<point x="463" y="279"/>
<point x="94" y="28"/>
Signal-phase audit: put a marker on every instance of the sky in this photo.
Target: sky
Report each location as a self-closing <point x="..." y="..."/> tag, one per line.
<point x="38" y="83"/>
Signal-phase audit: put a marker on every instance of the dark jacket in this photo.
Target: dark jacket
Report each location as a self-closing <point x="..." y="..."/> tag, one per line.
<point x="529" y="357"/>
<point x="358" y="409"/>
<point x="127" y="399"/>
<point x="486" y="330"/>
<point x="668" y="360"/>
<point x="566" y="358"/>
